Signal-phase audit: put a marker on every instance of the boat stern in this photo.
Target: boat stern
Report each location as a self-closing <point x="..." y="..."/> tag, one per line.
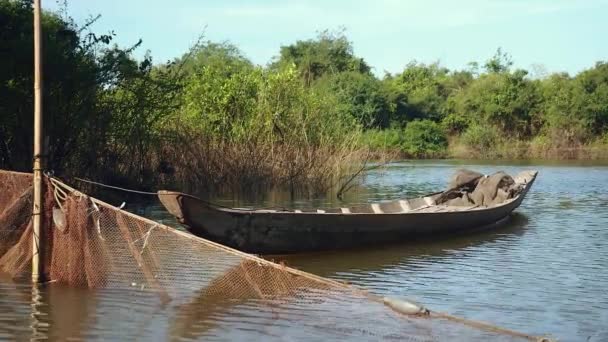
<point x="171" y="200"/>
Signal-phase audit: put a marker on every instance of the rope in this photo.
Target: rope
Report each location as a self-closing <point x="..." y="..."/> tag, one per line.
<point x="149" y="193"/>
<point x="116" y="187"/>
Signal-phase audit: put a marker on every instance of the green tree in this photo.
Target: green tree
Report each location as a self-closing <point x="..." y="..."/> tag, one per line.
<point x="507" y="100"/>
<point x="220" y="101"/>
<point x="218" y="56"/>
<point x="329" y="53"/>
<point x="419" y="92"/>
<point x="360" y="95"/>
<point x="594" y="83"/>
<point x="100" y="105"/>
<point x="563" y="108"/>
<point x="500" y="62"/>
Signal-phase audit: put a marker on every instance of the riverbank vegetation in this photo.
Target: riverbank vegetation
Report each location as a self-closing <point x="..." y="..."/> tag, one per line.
<point x="316" y="114"/>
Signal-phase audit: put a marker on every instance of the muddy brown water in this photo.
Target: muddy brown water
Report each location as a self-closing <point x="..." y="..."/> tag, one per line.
<point x="544" y="272"/>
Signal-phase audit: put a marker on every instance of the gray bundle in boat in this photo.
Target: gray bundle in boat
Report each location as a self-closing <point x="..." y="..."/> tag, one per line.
<point x="464" y="178"/>
<point x="472" y="188"/>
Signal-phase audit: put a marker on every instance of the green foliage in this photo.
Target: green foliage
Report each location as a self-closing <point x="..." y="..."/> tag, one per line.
<point x="419" y="92"/>
<point x="508" y="101"/>
<point x="576" y="109"/>
<point x="456" y="123"/>
<point x="594" y="84"/>
<point x="96" y="97"/>
<point x="383" y="139"/>
<point x="420" y="139"/>
<point x="219" y="56"/>
<point x="564" y="120"/>
<point x="329" y="53"/>
<point x="501" y="62"/>
<point x="219" y="103"/>
<point x="481" y="138"/>
<point x="424" y="138"/>
<point x="361" y="95"/>
<point x="262" y="106"/>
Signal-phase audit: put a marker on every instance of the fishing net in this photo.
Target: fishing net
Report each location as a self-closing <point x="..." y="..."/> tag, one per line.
<point x="199" y="289"/>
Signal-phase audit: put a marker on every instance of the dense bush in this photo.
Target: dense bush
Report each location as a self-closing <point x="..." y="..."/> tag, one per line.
<point x="424" y="138"/>
<point x="384" y="139"/>
<point x="456" y="123"/>
<point x="481" y="138"/>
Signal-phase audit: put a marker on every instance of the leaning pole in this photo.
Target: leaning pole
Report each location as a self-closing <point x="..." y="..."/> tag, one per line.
<point x="38" y="238"/>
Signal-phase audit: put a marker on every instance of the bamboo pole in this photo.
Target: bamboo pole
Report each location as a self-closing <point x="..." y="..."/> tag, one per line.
<point x="38" y="238"/>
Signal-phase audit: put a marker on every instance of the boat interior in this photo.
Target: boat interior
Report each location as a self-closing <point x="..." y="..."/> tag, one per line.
<point x="427" y="204"/>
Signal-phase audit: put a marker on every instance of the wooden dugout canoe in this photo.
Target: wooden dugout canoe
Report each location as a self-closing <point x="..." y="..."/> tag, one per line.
<point x="266" y="231"/>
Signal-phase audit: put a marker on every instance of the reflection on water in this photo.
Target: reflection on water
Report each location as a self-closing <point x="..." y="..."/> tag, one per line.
<point x="543" y="271"/>
<point x="341" y="264"/>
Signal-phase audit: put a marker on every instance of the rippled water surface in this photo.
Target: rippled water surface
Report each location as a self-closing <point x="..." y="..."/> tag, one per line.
<point x="544" y="272"/>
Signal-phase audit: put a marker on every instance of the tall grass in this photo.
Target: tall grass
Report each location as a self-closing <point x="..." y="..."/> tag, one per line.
<point x="203" y="164"/>
<point x="541" y="147"/>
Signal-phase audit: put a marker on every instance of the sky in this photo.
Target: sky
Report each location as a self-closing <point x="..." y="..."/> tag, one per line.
<point x="540" y="35"/>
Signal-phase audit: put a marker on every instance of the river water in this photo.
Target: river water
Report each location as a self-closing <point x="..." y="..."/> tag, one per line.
<point x="544" y="272"/>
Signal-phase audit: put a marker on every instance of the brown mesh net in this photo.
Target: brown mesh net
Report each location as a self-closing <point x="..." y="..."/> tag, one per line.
<point x="195" y="283"/>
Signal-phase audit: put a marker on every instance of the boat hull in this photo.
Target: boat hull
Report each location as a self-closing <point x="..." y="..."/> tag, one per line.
<point x="293" y="232"/>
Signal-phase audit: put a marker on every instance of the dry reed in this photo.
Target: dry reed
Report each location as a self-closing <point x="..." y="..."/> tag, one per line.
<point x="211" y="165"/>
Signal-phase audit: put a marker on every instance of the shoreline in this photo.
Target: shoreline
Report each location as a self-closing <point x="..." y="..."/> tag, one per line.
<point x="527" y="152"/>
